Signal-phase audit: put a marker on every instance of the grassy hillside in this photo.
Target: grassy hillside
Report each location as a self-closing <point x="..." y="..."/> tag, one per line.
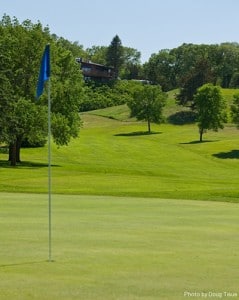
<point x="113" y="157"/>
<point x="122" y="112"/>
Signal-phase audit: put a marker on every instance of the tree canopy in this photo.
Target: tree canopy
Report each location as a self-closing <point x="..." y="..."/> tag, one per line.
<point x="115" y="55"/>
<point x="20" y="57"/>
<point x="235" y="109"/>
<point x="189" y="66"/>
<point x="210" y="107"/>
<point x="147" y="104"/>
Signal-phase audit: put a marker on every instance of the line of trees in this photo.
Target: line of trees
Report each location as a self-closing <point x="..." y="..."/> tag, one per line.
<point x="217" y="64"/>
<point x="187" y="67"/>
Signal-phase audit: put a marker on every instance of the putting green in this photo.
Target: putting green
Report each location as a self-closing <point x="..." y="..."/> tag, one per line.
<point x="117" y="248"/>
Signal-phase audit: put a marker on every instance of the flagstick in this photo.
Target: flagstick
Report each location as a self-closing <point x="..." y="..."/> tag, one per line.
<point x="49" y="167"/>
<point x="44" y="75"/>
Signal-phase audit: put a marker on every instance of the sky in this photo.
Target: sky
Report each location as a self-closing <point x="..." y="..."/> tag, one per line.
<point x="146" y="25"/>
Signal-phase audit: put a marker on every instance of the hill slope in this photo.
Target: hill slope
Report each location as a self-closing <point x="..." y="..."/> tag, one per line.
<point x="122" y="112"/>
<point x="112" y="157"/>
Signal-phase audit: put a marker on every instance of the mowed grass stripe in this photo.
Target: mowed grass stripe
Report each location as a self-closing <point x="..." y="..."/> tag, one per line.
<point x="116" y="247"/>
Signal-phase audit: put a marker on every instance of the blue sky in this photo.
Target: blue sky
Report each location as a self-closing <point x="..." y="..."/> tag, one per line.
<point x="146" y="25"/>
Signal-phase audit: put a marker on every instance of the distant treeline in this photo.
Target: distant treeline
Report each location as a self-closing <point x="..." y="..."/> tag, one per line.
<point x="186" y="67"/>
<point x="217" y="64"/>
<point x="171" y="68"/>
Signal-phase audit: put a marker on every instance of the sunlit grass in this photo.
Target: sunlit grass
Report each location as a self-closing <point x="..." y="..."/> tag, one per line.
<point x="115" y="157"/>
<point x="116" y="247"/>
<point x="115" y="236"/>
<point x="118" y="158"/>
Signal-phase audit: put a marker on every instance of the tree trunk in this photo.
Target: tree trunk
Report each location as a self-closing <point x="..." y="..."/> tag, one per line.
<point x="18" y="148"/>
<point x="149" y="128"/>
<point x="201" y="133"/>
<point x="12" y="154"/>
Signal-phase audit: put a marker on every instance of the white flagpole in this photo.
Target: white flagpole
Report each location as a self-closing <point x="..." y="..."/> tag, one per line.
<point x="49" y="172"/>
<point x="44" y="75"/>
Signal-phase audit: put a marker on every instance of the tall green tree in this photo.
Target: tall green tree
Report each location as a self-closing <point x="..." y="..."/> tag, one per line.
<point x="115" y="55"/>
<point x="199" y="75"/>
<point x="97" y="54"/>
<point x="6" y="90"/>
<point x="20" y="57"/>
<point x="131" y="68"/>
<point x="228" y="64"/>
<point x="19" y="53"/>
<point x="6" y="102"/>
<point x="147" y="104"/>
<point x="26" y="121"/>
<point x="211" y="109"/>
<point x="160" y="69"/>
<point x="66" y="92"/>
<point x="235" y="109"/>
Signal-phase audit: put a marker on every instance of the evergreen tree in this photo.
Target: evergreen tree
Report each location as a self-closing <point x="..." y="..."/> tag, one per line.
<point x="115" y="55"/>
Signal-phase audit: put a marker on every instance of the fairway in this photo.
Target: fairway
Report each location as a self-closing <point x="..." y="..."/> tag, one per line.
<point x="116" y="248"/>
<point x="118" y="158"/>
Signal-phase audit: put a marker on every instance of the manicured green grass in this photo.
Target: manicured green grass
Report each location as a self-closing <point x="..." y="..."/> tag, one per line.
<point x="115" y="156"/>
<point x="119" y="158"/>
<point x="113" y="238"/>
<point x="120" y="112"/>
<point x="110" y="248"/>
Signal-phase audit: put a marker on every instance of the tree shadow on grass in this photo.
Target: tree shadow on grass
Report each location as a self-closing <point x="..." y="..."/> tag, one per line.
<point x="182" y="117"/>
<point x="138" y="133"/>
<point x="198" y="142"/>
<point x="233" y="154"/>
<point x="25" y="165"/>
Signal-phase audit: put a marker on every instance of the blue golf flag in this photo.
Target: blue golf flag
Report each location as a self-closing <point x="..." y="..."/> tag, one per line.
<point x="44" y="71"/>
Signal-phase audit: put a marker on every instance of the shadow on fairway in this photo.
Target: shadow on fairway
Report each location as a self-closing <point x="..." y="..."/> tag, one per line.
<point x="198" y="142"/>
<point x="233" y="154"/>
<point x="23" y="264"/>
<point x="138" y="133"/>
<point x="182" y="117"/>
<point x="25" y="165"/>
